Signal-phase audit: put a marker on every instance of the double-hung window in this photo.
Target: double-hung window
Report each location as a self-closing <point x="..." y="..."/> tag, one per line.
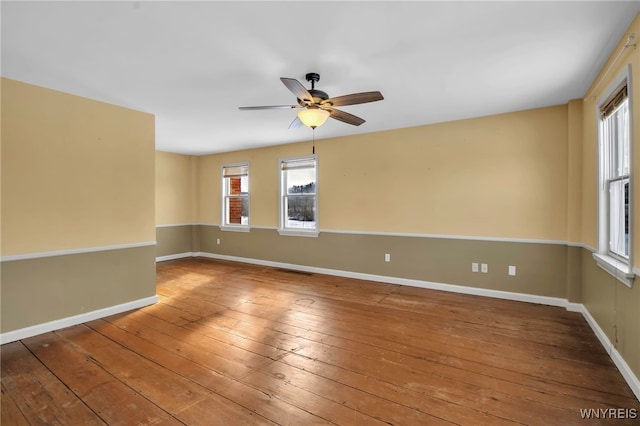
<point x="299" y="196"/>
<point x="235" y="197"/>
<point x="615" y="197"/>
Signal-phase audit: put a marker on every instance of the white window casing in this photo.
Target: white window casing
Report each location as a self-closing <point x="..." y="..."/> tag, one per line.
<point x="615" y="179"/>
<point x="235" y="197"/>
<point x="299" y="196"/>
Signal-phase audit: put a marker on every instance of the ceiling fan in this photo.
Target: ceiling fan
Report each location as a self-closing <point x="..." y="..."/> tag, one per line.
<point x="316" y="106"/>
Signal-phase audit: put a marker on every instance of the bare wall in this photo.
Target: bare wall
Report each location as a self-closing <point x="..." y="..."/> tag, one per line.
<point x="437" y="198"/>
<point x="497" y="176"/>
<point x="77" y="205"/>
<point x="614" y="306"/>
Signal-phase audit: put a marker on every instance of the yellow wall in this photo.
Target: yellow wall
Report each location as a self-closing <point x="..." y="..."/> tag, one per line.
<point x="175" y="188"/>
<point x="495" y="176"/>
<point x="76" y="173"/>
<point x="574" y="170"/>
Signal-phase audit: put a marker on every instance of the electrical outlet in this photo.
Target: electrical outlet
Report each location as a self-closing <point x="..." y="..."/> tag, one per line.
<point x="474" y="267"/>
<point x="512" y="270"/>
<point x="484" y="268"/>
<point x="387" y="257"/>
<point x="218" y="241"/>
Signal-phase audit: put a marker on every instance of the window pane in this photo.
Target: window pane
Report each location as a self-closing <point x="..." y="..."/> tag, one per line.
<point x="301" y="181"/>
<point x="617" y="142"/>
<point x="236" y="210"/>
<point x="235" y="195"/>
<point x="298" y="193"/>
<point x="301" y="211"/>
<point x="622" y="128"/>
<point x="245" y="210"/>
<point x="244" y="185"/>
<point x="619" y="217"/>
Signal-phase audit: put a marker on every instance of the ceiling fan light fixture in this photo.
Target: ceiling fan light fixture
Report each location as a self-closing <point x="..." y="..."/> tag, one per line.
<point x="313" y="117"/>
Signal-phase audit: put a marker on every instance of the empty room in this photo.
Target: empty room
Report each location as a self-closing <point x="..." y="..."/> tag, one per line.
<point x="301" y="212"/>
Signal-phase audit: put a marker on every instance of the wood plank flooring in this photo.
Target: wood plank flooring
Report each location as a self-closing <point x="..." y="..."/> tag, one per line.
<point x="232" y="344"/>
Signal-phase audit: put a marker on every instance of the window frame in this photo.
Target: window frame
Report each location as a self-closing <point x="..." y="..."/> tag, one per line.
<point x="224" y="225"/>
<point x="606" y="258"/>
<point x="282" y="228"/>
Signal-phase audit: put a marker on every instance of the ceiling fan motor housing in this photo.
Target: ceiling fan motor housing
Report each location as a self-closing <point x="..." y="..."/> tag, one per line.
<point x="318" y="95"/>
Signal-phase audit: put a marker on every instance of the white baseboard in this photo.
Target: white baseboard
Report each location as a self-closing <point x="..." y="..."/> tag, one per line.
<point x="574" y="307"/>
<point x="46" y="327"/>
<point x="623" y="367"/>
<point x="521" y="297"/>
<point x="620" y="363"/>
<point x="174" y="256"/>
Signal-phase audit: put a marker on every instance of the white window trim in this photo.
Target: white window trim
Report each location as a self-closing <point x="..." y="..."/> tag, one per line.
<point x="619" y="269"/>
<point x="223" y="214"/>
<point x="235" y="228"/>
<point x="289" y="231"/>
<point x="622" y="271"/>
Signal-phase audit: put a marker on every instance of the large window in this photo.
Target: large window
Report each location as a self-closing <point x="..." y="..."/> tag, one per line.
<point x="235" y="197"/>
<point x="615" y="127"/>
<point x="615" y="245"/>
<point x="299" y="196"/>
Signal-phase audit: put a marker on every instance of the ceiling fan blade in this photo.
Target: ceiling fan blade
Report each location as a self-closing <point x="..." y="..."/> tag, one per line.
<point x="354" y="98"/>
<point x="295" y="123"/>
<point x="269" y="107"/>
<point x="297" y="89"/>
<point x="345" y="117"/>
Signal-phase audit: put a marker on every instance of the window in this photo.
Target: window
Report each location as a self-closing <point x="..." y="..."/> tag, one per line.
<point x="299" y="197"/>
<point x="235" y="197"/>
<point x="615" y="236"/>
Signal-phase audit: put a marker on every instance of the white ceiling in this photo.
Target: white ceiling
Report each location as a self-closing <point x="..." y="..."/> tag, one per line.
<point x="192" y="64"/>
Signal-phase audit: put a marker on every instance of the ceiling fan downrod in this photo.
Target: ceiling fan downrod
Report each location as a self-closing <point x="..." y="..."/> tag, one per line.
<point x="313" y="78"/>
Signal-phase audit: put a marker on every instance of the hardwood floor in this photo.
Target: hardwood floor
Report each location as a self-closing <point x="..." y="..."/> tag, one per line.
<point x="232" y="343"/>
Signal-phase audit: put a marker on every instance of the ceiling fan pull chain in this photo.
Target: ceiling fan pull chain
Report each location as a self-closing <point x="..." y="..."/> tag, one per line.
<point x="313" y="150"/>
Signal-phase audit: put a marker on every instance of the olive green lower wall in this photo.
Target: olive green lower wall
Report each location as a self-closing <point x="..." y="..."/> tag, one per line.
<point x="174" y="240"/>
<point x="44" y="289"/>
<point x="614" y="307"/>
<point x="441" y="260"/>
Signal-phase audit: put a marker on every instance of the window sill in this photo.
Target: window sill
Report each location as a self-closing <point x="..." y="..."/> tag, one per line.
<point x="235" y="228"/>
<point x="616" y="268"/>
<point x="298" y="233"/>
